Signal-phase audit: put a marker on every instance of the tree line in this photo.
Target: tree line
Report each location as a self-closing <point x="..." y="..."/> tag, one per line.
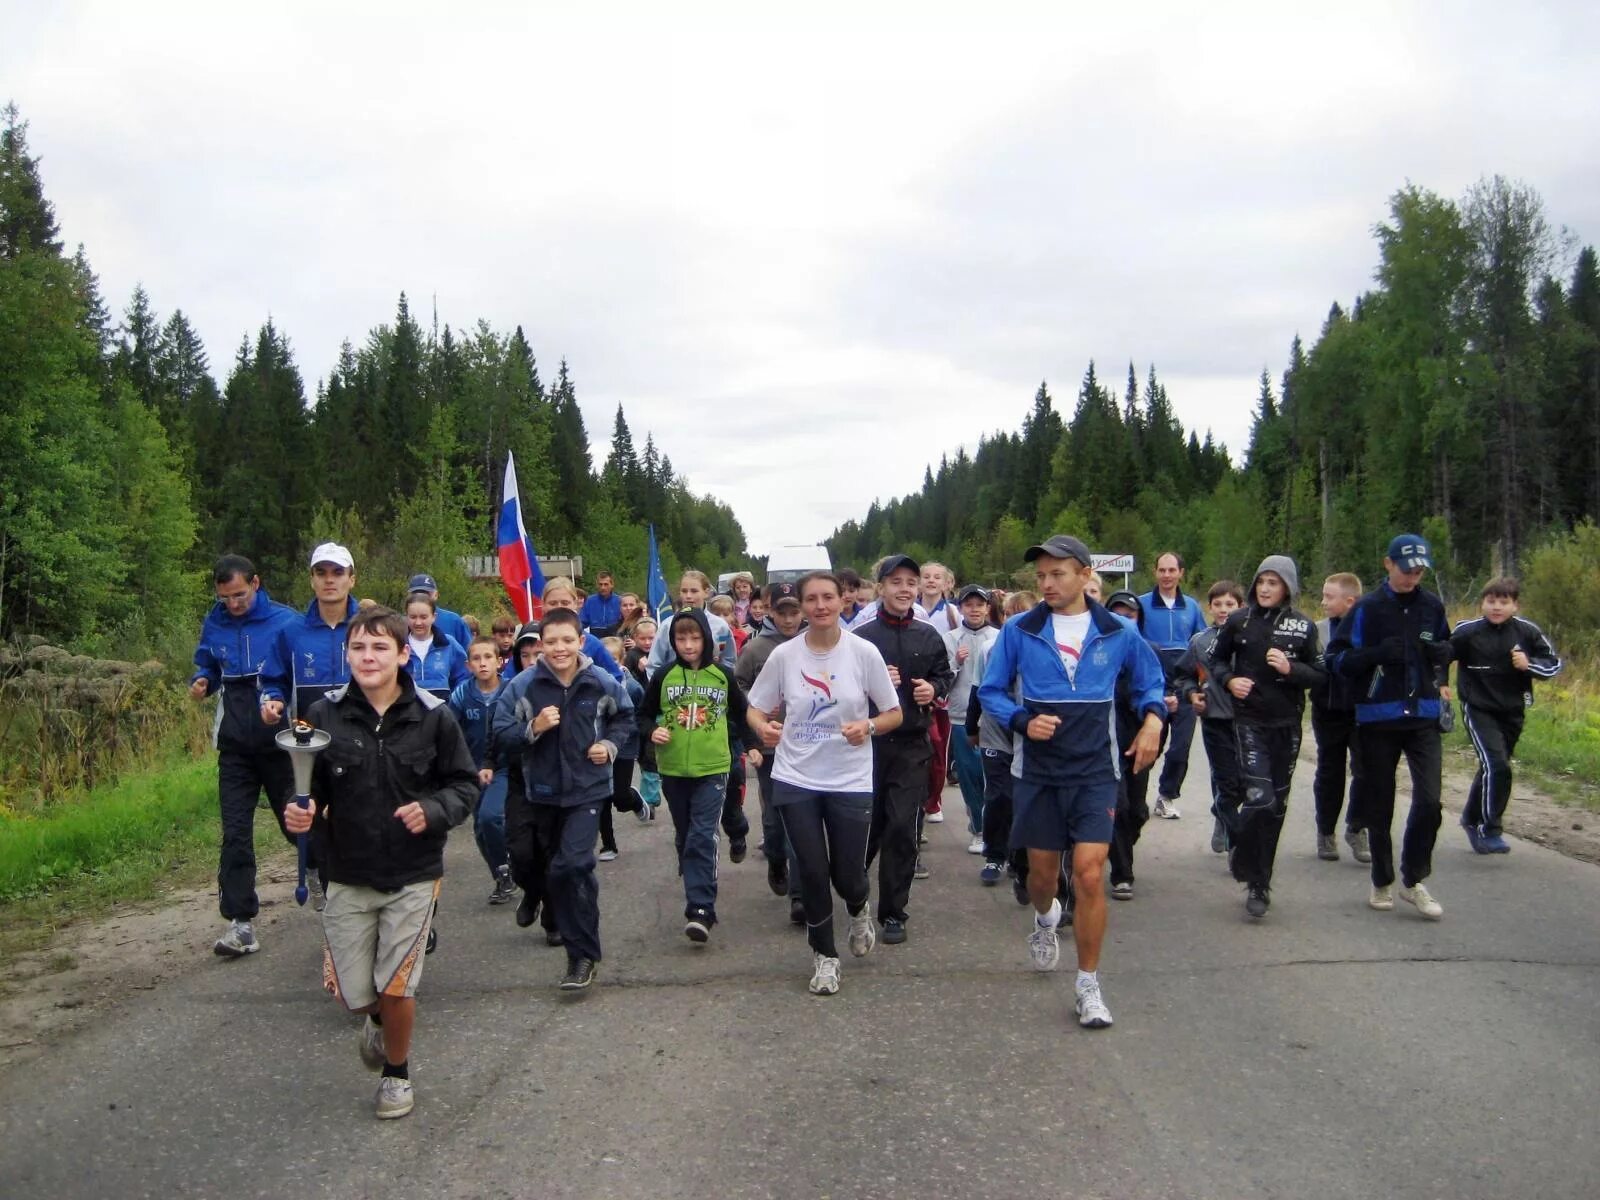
<point x="125" y="467"/>
<point x="1458" y="397"/>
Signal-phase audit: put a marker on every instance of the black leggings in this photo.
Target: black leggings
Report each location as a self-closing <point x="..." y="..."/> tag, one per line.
<point x="827" y="834"/>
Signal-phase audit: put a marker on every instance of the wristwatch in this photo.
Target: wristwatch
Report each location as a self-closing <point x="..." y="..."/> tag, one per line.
<point x="872" y="728"/>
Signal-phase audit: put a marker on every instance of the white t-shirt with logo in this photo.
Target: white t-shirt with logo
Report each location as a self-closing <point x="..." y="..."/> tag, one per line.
<point x="1069" y="632"/>
<point x="818" y="693"/>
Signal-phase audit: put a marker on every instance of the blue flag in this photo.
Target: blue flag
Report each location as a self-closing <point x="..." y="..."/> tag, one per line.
<point x="658" y="598"/>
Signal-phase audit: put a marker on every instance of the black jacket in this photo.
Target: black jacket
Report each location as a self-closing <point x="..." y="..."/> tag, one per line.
<point x="918" y="650"/>
<point x="375" y="764"/>
<point x="1395" y="649"/>
<point x="555" y="764"/>
<point x="1193" y="674"/>
<point x="1241" y="649"/>
<point x="1335" y="693"/>
<point x="1485" y="676"/>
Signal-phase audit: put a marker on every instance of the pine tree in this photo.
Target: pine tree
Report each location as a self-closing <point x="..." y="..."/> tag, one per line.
<point x="27" y="219"/>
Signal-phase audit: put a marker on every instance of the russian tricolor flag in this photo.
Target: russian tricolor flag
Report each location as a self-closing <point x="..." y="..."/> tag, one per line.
<point x="519" y="566"/>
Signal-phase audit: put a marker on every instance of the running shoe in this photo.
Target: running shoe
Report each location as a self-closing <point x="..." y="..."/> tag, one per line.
<point x="920" y="871"/>
<point x="237" y="941"/>
<point x="642" y="812"/>
<point x="396" y="1098"/>
<point x="737" y="849"/>
<point x="1425" y="904"/>
<point x="1360" y="848"/>
<point x="778" y="876"/>
<point x="936" y="817"/>
<point x="1044" y="948"/>
<point x="975" y="846"/>
<point x="797" y="911"/>
<point x="1494" y="843"/>
<point x="1091" y="1006"/>
<point x="698" y="927"/>
<point x="372" y="1044"/>
<point x="433" y="941"/>
<point x="527" y="911"/>
<point x="1327" y="848"/>
<point x="1019" y="889"/>
<point x="1257" y="900"/>
<point x="580" y="975"/>
<point x="607" y="855"/>
<point x="864" y="933"/>
<point x="1474" y="837"/>
<point x="1219" y="836"/>
<point x="894" y="932"/>
<point x="504" y="890"/>
<point x="991" y="874"/>
<point x="825" y="976"/>
<point x="1166" y="808"/>
<point x="1123" y="890"/>
<point x="1382" y="897"/>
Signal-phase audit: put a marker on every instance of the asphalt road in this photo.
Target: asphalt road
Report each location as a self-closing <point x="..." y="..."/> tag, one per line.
<point x="1329" y="1051"/>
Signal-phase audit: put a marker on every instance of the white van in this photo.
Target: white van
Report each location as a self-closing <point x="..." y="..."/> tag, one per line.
<point x="788" y="564"/>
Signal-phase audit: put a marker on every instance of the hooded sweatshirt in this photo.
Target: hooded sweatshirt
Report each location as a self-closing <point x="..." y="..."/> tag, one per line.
<point x="701" y="705"/>
<point x="1241" y="650"/>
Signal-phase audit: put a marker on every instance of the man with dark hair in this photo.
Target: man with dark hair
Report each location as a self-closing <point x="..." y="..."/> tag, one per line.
<point x="601" y="613"/>
<point x="236" y="640"/>
<point x="1171" y="620"/>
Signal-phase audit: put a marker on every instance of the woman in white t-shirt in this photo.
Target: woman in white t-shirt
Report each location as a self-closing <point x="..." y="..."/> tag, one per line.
<point x="821" y="683"/>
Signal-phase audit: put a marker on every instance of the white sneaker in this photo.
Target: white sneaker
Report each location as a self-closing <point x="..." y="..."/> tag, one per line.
<point x="372" y="1054"/>
<point x="239" y="940"/>
<point x="936" y="817"/>
<point x="825" y="979"/>
<point x="1425" y="904"/>
<point x="1382" y="898"/>
<point x="863" y="932"/>
<point x="975" y="846"/>
<point x="1044" y="947"/>
<point x="395" y="1098"/>
<point x="607" y="856"/>
<point x="1092" y="1010"/>
<point x="1166" y="809"/>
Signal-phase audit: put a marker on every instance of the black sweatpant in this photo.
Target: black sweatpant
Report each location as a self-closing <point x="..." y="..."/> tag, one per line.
<point x="1338" y="741"/>
<point x="900" y="788"/>
<point x="1381" y="748"/>
<point x="1266" y="766"/>
<point x="997" y="807"/>
<point x="571" y="888"/>
<point x="1222" y="752"/>
<point x="241" y="778"/>
<point x="1494" y="736"/>
<point x="529" y="854"/>
<point x="734" y="822"/>
<point x="827" y="834"/>
<point x="1133" y="812"/>
<point x="621" y="801"/>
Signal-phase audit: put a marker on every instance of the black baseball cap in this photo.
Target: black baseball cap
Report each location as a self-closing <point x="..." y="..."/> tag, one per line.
<point x="782" y="593"/>
<point x="528" y="633"/>
<point x="894" y="562"/>
<point x="1060" y="545"/>
<point x="971" y="590"/>
<point x="422" y="583"/>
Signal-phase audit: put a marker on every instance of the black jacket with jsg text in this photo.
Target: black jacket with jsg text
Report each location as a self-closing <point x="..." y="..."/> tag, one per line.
<point x="1485" y="677"/>
<point x="1241" y="649"/>
<point x="377" y="763"/>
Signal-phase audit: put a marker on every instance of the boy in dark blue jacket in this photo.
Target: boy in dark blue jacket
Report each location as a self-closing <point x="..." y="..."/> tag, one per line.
<point x="235" y="643"/>
<point x="1394" y="648"/>
<point x="566" y="720"/>
<point x="1051" y="681"/>
<point x="472" y="704"/>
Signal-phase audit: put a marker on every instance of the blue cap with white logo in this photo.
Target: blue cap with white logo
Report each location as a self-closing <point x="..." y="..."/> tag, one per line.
<point x="1408" y="551"/>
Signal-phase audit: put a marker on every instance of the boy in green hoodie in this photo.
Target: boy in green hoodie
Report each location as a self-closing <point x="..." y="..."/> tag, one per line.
<point x="689" y="708"/>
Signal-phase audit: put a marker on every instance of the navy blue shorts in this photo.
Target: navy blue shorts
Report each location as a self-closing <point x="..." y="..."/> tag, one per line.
<point x="1054" y="816"/>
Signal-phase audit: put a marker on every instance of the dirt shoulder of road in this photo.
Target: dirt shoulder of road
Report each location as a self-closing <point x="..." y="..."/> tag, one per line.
<point x="94" y="965"/>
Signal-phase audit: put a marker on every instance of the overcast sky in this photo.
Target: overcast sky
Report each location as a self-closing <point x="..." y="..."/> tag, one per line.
<point x="810" y="255"/>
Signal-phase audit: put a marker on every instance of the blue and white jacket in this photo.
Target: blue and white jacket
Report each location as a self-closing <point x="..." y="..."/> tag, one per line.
<point x="1025" y="678"/>
<point x="1171" y="628"/>
<point x="473" y="709"/>
<point x="307" y="659"/>
<point x="230" y="657"/>
<point x="444" y="668"/>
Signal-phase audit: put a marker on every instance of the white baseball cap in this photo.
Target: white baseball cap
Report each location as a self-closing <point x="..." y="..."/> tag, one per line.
<point x="332" y="552"/>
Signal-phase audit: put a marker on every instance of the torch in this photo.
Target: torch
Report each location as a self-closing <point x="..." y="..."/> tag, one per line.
<point x="302" y="743"/>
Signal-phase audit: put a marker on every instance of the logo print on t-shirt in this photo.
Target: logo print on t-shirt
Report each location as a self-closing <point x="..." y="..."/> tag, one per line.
<point x="820" y="704"/>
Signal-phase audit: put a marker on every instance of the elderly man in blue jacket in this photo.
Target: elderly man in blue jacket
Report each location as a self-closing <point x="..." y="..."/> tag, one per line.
<point x="235" y="642"/>
<point x="1052" y="682"/>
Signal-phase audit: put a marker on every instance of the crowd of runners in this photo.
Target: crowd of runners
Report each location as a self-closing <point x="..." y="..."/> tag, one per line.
<point x="847" y="697"/>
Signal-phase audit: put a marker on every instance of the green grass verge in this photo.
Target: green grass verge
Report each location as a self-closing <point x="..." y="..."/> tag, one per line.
<point x="1559" y="751"/>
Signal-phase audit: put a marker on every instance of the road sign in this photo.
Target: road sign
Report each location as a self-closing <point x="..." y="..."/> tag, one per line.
<point x="1114" y="564"/>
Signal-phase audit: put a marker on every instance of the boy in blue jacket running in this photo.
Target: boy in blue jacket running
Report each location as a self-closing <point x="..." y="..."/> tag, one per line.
<point x="1051" y="680"/>
<point x="472" y="703"/>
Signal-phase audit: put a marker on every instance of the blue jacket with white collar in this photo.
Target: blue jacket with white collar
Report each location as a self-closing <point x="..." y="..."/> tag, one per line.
<point x="307" y="659"/>
<point x="1025" y="678"/>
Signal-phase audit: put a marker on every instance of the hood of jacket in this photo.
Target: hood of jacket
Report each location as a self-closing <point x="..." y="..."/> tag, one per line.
<point x="1283" y="567"/>
<point x="708" y="643"/>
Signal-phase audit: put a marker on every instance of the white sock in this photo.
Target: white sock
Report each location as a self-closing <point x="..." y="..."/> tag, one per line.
<point x="1086" y="979"/>
<point x="1050" y="919"/>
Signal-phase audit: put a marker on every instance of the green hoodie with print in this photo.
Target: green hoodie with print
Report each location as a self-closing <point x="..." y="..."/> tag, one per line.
<point x="702" y="706"/>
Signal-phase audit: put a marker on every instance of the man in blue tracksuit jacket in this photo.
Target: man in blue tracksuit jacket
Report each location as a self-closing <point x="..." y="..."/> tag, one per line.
<point x="1394" y="647"/>
<point x="1051" y="681"/>
<point x="1171" y="619"/>
<point x="234" y="644"/>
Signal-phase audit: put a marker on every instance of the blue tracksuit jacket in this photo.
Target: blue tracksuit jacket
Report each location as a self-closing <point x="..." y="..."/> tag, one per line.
<point x="307" y="659"/>
<point x="231" y="655"/>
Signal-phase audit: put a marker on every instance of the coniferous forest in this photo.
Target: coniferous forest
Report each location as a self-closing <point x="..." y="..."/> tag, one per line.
<point x="1459" y="398"/>
<point x="129" y="460"/>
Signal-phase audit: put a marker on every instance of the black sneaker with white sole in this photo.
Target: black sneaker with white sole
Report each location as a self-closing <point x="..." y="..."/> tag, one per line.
<point x="697" y="926"/>
<point x="580" y="975"/>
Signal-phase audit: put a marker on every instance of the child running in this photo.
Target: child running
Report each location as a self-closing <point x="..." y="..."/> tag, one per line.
<point x="472" y="704"/>
<point x="1213" y="703"/>
<point x="690" y="708"/>
<point x="822" y="776"/>
<point x="380" y="839"/>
